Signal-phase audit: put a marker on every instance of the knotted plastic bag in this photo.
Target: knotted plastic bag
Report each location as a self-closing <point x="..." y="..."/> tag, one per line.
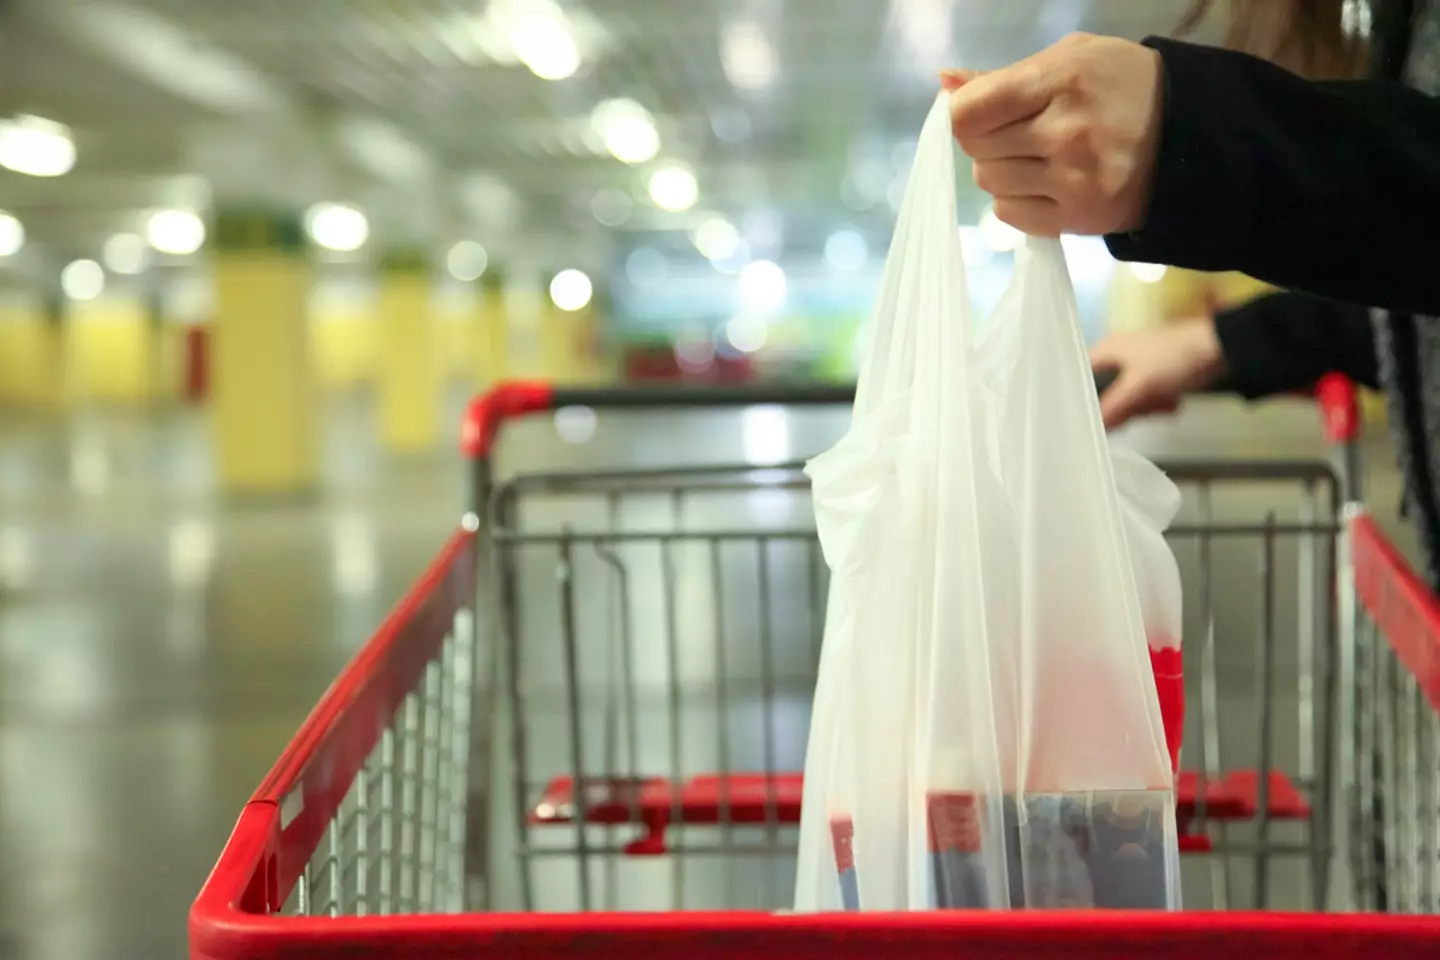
<point x="986" y="731"/>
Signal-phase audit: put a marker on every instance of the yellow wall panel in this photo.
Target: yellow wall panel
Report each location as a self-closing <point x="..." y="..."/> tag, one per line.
<point x="263" y="404"/>
<point x="409" y="368"/>
<point x="109" y="351"/>
<point x="30" y="375"/>
<point x="344" y="345"/>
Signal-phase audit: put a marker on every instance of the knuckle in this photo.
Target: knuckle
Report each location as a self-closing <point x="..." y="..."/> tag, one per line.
<point x="1112" y="178"/>
<point x="1018" y="215"/>
<point x="1070" y="185"/>
<point x="984" y="176"/>
<point x="958" y="114"/>
<point x="1066" y="136"/>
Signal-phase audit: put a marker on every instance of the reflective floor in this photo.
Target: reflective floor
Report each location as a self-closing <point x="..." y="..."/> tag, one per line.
<point x="158" y="645"/>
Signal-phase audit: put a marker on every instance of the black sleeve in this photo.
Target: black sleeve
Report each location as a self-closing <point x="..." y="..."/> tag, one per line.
<point x="1332" y="188"/>
<point x="1286" y="342"/>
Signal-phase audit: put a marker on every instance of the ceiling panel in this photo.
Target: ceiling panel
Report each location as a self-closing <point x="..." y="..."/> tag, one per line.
<point x="852" y="81"/>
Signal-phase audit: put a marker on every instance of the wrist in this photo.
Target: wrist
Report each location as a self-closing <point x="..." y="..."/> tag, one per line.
<point x="1202" y="348"/>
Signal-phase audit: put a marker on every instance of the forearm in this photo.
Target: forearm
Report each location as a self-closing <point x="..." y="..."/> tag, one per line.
<point x="1323" y="187"/>
<point x="1286" y="342"/>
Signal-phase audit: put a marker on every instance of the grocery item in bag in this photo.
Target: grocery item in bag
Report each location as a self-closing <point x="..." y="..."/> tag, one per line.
<point x="986" y="729"/>
<point x="1149" y="502"/>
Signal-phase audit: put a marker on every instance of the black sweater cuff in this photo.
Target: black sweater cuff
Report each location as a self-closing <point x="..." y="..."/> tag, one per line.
<point x="1184" y="208"/>
<point x="1252" y="367"/>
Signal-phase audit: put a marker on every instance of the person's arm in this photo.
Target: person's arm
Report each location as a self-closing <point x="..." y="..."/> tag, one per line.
<point x="1286" y="342"/>
<point x="1331" y="188"/>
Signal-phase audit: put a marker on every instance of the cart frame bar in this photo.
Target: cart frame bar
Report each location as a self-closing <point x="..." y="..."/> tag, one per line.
<point x="234" y="917"/>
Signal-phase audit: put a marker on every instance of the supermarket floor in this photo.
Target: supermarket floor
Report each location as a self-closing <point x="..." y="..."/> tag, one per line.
<point x="158" y="645"/>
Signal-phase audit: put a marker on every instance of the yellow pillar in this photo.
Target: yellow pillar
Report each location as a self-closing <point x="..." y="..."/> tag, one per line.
<point x="596" y="362"/>
<point x="491" y="336"/>
<point x="1134" y="304"/>
<point x="409" y="369"/>
<point x="109" y="346"/>
<point x="263" y="402"/>
<point x="526" y="302"/>
<point x="30" y="371"/>
<point x="554" y="343"/>
<point x="344" y="336"/>
<point x="566" y="338"/>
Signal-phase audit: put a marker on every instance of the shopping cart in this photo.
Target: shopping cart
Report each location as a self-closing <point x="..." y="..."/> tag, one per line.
<point x="647" y="659"/>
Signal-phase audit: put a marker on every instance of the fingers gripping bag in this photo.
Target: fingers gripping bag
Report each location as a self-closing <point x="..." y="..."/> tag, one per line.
<point x="986" y="731"/>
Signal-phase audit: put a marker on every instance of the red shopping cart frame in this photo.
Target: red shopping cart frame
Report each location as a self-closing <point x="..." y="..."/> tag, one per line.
<point x="234" y="916"/>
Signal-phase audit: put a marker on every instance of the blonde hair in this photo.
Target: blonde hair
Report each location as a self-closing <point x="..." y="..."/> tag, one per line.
<point x="1308" y="37"/>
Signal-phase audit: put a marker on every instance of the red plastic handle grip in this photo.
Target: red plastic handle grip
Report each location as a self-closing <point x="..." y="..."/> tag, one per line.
<point x="1339" y="407"/>
<point x="488" y="412"/>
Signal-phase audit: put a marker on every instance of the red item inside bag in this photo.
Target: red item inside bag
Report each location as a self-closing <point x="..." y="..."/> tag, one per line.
<point x="1168" y="668"/>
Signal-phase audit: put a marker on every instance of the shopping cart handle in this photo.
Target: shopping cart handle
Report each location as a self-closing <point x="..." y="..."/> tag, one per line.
<point x="1339" y="408"/>
<point x="489" y="411"/>
<point x="487" y="414"/>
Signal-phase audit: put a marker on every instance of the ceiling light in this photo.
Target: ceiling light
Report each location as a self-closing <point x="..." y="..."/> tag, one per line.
<point x="337" y="226"/>
<point x="674" y="188"/>
<point x="694" y="348"/>
<point x="762" y="286"/>
<point x="716" y="238"/>
<point x="746" y="333"/>
<point x="627" y="130"/>
<point x="383" y="149"/>
<point x="467" y="261"/>
<point x="541" y="38"/>
<point x="177" y="232"/>
<point x="125" y="253"/>
<point x="736" y="261"/>
<point x="36" y="147"/>
<point x="83" y="280"/>
<point x="1148" y="272"/>
<point x="1088" y="259"/>
<point x="12" y="235"/>
<point x="925" y="28"/>
<point x="576" y="424"/>
<point x="730" y="124"/>
<point x="748" y="57"/>
<point x="846" y="250"/>
<point x="611" y="206"/>
<point x="570" y="290"/>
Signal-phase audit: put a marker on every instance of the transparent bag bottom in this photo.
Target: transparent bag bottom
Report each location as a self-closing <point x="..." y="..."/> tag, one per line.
<point x="1105" y="850"/>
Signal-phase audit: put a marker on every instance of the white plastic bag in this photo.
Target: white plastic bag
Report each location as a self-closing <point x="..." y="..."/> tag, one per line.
<point x="985" y="731"/>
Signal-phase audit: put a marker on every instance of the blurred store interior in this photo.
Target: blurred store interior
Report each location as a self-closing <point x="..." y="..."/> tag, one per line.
<point x="254" y="257"/>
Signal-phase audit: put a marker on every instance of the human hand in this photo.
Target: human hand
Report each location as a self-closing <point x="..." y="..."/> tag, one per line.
<point x="1156" y="368"/>
<point x="1066" y="140"/>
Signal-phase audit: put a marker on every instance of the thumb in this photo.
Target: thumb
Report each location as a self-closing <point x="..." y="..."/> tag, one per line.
<point x="955" y="79"/>
<point x="1123" y="400"/>
<point x="1106" y="355"/>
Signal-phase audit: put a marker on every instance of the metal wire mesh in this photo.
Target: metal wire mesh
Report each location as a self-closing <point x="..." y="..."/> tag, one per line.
<point x="396" y="843"/>
<point x="661" y="627"/>
<point x="1395" y="799"/>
